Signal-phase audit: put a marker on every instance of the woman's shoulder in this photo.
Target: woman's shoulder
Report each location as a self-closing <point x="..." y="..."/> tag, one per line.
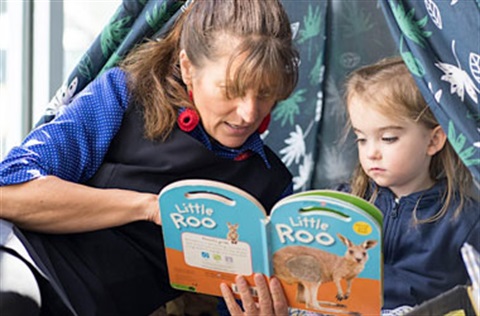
<point x="115" y="74"/>
<point x="111" y="84"/>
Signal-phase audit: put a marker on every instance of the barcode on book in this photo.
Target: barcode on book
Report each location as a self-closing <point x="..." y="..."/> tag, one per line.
<point x="253" y="290"/>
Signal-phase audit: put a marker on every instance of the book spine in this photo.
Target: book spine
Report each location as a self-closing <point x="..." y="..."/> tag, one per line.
<point x="265" y="227"/>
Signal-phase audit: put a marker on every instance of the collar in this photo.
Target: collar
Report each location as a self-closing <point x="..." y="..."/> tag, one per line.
<point x="253" y="144"/>
<point x="422" y="198"/>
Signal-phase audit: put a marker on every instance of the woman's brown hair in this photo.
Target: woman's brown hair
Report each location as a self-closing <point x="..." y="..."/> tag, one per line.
<point x="390" y="88"/>
<point x="263" y="30"/>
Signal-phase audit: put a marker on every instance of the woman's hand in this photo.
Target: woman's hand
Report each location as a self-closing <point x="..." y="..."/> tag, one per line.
<point x="271" y="299"/>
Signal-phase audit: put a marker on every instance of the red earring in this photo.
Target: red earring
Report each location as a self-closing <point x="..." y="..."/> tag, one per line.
<point x="264" y="125"/>
<point x="188" y="120"/>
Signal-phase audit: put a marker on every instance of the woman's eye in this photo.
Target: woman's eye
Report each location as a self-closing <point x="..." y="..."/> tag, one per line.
<point x="360" y="140"/>
<point x="389" y="139"/>
<point x="225" y="95"/>
<point x="264" y="96"/>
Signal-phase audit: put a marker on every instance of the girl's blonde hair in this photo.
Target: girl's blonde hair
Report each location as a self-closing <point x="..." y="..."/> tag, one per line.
<point x="263" y="31"/>
<point x="390" y="88"/>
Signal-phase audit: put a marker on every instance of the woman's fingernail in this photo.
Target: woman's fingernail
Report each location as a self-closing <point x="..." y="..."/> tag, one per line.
<point x="224" y="288"/>
<point x="241" y="280"/>
<point x="274" y="281"/>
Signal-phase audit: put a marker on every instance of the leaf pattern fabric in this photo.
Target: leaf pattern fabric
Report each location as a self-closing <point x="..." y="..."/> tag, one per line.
<point x="293" y="131"/>
<point x="357" y="35"/>
<point x="440" y="42"/>
<point x="127" y="27"/>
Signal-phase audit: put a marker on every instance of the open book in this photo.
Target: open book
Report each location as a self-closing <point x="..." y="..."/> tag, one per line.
<point x="324" y="246"/>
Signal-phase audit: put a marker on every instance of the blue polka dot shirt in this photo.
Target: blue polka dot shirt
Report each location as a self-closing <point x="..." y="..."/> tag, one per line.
<point x="73" y="145"/>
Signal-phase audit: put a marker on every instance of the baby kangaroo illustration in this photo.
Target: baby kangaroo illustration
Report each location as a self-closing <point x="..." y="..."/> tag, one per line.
<point x="309" y="268"/>
<point x="232" y="234"/>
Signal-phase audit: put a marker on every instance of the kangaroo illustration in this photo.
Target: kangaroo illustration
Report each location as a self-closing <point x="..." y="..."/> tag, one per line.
<point x="232" y="234"/>
<point x="309" y="268"/>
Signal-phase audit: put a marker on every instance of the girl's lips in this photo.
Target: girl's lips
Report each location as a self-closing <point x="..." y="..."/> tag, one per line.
<point x="376" y="169"/>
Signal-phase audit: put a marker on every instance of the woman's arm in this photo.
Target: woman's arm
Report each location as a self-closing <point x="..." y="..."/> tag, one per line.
<point x="49" y="204"/>
<point x="38" y="178"/>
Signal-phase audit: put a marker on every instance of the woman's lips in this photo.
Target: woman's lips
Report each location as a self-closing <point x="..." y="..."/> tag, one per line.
<point x="238" y="129"/>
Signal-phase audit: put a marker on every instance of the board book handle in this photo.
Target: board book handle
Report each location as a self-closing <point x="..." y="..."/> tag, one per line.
<point x="317" y="208"/>
<point x="214" y="196"/>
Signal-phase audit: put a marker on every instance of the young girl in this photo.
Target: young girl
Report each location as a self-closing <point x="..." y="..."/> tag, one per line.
<point x="411" y="172"/>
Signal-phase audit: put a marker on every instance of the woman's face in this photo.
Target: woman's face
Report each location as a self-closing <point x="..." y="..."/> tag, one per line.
<point x="230" y="121"/>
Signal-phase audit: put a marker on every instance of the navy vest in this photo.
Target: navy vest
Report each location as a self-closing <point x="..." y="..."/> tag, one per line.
<point x="136" y="163"/>
<point x="122" y="270"/>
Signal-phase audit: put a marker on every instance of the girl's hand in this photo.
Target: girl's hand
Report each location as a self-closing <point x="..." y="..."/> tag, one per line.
<point x="271" y="299"/>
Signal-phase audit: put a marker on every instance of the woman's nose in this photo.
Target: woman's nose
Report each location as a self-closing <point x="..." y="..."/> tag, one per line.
<point x="247" y="108"/>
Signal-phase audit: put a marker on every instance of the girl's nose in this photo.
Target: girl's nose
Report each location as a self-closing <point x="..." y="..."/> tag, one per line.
<point x="373" y="151"/>
<point x="247" y="108"/>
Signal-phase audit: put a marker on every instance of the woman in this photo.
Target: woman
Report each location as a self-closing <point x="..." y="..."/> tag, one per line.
<point x="82" y="189"/>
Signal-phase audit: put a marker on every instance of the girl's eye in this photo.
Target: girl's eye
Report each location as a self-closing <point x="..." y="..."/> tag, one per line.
<point x="389" y="139"/>
<point x="360" y="140"/>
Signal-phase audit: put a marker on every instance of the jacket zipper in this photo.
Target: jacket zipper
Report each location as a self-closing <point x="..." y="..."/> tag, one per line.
<point x="394" y="213"/>
<point x="390" y="228"/>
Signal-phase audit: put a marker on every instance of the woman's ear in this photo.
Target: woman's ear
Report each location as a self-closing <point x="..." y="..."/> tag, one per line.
<point x="438" y="139"/>
<point x="185" y="67"/>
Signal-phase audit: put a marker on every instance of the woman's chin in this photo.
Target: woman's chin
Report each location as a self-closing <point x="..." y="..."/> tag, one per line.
<point x="231" y="142"/>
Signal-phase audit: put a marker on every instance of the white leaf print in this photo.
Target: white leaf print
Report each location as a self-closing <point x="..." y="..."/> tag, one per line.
<point x="62" y="97"/>
<point x="294" y="27"/>
<point x="474" y="60"/>
<point x="437" y="94"/>
<point x="434" y="13"/>
<point x="295" y="147"/>
<point x="264" y="135"/>
<point x="459" y="80"/>
<point x="335" y="166"/>
<point x="454" y="2"/>
<point x="304" y="171"/>
<point x="319" y="106"/>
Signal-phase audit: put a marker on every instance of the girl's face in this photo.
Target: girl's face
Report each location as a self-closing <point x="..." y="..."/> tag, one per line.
<point x="394" y="153"/>
<point x="228" y="121"/>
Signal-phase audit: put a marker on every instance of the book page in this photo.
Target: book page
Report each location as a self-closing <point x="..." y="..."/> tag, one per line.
<point x="217" y="254"/>
<point x="326" y="252"/>
<point x="212" y="232"/>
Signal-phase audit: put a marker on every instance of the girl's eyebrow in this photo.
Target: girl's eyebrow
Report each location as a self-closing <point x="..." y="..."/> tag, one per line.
<point x="394" y="127"/>
<point x="382" y="129"/>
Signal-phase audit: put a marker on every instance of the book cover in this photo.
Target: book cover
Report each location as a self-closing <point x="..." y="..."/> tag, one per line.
<point x="324" y="246"/>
